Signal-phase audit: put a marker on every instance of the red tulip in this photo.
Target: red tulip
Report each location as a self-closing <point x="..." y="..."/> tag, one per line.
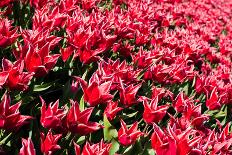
<point x="49" y="143"/>
<point x="3" y="77"/>
<point x="40" y="3"/>
<point x="128" y="94"/>
<point x="180" y="103"/>
<point x="128" y="136"/>
<point x="7" y="34"/>
<point x="174" y="142"/>
<point x="11" y="119"/>
<point x="78" y="122"/>
<point x="100" y="148"/>
<point x="213" y="102"/>
<point x="27" y="147"/>
<point x="152" y="112"/>
<point x="111" y="110"/>
<point x="96" y="92"/>
<point x="66" y="53"/>
<point x="162" y="144"/>
<point x="77" y="149"/>
<point x="51" y="117"/>
<point x="40" y="62"/>
<point x="13" y="75"/>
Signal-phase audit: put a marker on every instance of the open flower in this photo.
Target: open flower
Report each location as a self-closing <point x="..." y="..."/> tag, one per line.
<point x="111" y="110"/>
<point x="40" y="62"/>
<point x="49" y="143"/>
<point x="10" y="117"/>
<point x="96" y="92"/>
<point x="100" y="148"/>
<point x="128" y="136"/>
<point x="78" y="122"/>
<point x="12" y="75"/>
<point x="152" y="112"/>
<point x="51" y="117"/>
<point x="27" y="147"/>
<point x="7" y="34"/>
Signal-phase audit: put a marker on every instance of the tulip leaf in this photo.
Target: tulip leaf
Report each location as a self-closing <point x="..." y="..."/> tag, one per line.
<point x="82" y="103"/>
<point x="38" y="88"/>
<point x="114" y="147"/>
<point x="81" y="140"/>
<point x="134" y="149"/>
<point x="109" y="131"/>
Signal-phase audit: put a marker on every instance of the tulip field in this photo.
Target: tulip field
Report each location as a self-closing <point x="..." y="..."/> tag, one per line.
<point x="115" y="77"/>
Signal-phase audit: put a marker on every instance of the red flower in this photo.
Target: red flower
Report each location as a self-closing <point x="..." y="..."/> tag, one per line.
<point x="66" y="53"/>
<point x="152" y="112"/>
<point x="27" y="147"/>
<point x="77" y="149"/>
<point x="128" y="94"/>
<point x="40" y="62"/>
<point x="78" y="122"/>
<point x="100" y="148"/>
<point x="51" y="117"/>
<point x="180" y="103"/>
<point x="162" y="144"/>
<point x="128" y="136"/>
<point x="3" y="78"/>
<point x="7" y="34"/>
<point x="96" y="92"/>
<point x="10" y="118"/>
<point x="40" y="3"/>
<point x="174" y="142"/>
<point x="111" y="110"/>
<point x="16" y="78"/>
<point x="213" y="102"/>
<point x="49" y="143"/>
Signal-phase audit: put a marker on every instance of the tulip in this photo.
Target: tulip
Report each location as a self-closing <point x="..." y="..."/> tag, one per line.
<point x="152" y="112"/>
<point x="7" y="34"/>
<point x="11" y="119"/>
<point x="78" y="122"/>
<point x="96" y="92"/>
<point x="111" y="110"/>
<point x="27" y="147"/>
<point x="128" y="136"/>
<point x="49" y="143"/>
<point x="100" y="148"/>
<point x="13" y="75"/>
<point x="51" y="117"/>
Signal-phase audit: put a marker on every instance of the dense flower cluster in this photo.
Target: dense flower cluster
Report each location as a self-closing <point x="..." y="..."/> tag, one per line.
<point x="105" y="77"/>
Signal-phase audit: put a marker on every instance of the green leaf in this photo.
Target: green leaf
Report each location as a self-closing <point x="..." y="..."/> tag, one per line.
<point x="82" y="103"/>
<point x="109" y="131"/>
<point x="134" y="149"/>
<point x="114" y="147"/>
<point x="38" y="88"/>
<point x="81" y="140"/>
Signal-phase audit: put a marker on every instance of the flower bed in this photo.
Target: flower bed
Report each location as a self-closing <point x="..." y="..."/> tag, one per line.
<point x="99" y="77"/>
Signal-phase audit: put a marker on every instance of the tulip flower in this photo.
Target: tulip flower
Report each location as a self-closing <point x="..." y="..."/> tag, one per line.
<point x="111" y="110"/>
<point x="7" y="34"/>
<point x="78" y="121"/>
<point x="11" y="119"/>
<point x="95" y="93"/>
<point x="128" y="136"/>
<point x="12" y="75"/>
<point x="49" y="143"/>
<point x="40" y="62"/>
<point x="128" y="94"/>
<point x="213" y="102"/>
<point x="27" y="147"/>
<point x="152" y="112"/>
<point x="100" y="148"/>
<point x="51" y="117"/>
